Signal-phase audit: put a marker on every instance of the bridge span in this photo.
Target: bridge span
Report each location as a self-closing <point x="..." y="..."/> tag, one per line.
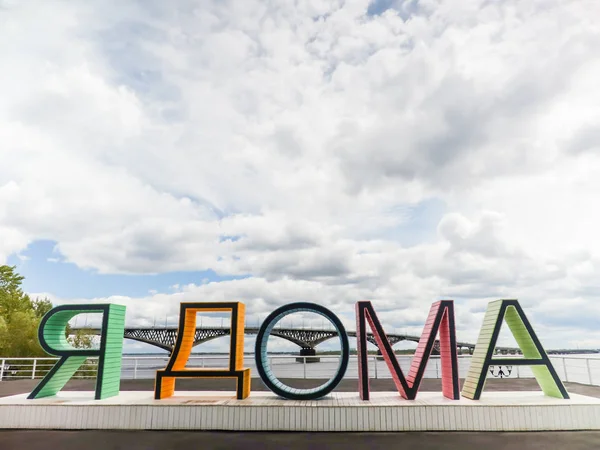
<point x="306" y="339"/>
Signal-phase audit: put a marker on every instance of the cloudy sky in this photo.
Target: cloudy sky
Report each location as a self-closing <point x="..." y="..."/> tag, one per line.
<point x="328" y="151"/>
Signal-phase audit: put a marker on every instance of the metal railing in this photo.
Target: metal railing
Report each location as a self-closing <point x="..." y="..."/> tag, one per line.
<point x="32" y="368"/>
<point x="569" y="368"/>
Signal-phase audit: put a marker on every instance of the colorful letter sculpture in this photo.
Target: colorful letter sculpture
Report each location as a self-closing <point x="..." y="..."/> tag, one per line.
<point x="533" y="352"/>
<point x="441" y="318"/>
<point x="262" y="360"/>
<point x="165" y="379"/>
<point x="52" y="336"/>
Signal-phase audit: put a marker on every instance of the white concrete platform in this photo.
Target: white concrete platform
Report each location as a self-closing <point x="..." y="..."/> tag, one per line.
<point x="386" y="411"/>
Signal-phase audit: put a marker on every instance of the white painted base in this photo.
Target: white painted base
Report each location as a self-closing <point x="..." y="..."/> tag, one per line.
<point x="386" y="411"/>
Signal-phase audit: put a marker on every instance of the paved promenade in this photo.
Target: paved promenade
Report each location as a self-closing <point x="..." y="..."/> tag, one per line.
<point x="427" y="385"/>
<point x="136" y="440"/>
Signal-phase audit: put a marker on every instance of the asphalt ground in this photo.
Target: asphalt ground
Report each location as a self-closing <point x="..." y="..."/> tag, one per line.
<point x="166" y="440"/>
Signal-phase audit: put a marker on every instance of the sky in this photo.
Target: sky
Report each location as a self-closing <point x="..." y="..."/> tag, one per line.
<point x="397" y="151"/>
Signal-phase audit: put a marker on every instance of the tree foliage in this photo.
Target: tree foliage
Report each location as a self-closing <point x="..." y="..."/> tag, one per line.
<point x="80" y="338"/>
<point x="20" y="317"/>
<point x="41" y="306"/>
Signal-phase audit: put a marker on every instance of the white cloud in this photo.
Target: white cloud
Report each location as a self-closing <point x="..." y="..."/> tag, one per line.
<point x="138" y="136"/>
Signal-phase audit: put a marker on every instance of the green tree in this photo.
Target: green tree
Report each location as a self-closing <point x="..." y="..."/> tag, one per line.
<point x="19" y="322"/>
<point x="12" y="298"/>
<point x="19" y="317"/>
<point x="80" y="338"/>
<point x="41" y="307"/>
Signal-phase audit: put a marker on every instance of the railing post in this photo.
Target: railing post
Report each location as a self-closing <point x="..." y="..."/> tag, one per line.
<point x="135" y="368"/>
<point x="375" y="366"/>
<point x="437" y="368"/>
<point x="518" y="372"/>
<point x="565" y="369"/>
<point x="33" y="368"/>
<point x="587" y="363"/>
<point x="305" y="367"/>
<point x="2" y="370"/>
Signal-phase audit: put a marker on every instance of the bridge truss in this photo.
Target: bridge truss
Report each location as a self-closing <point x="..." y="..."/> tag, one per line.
<point x="308" y="339"/>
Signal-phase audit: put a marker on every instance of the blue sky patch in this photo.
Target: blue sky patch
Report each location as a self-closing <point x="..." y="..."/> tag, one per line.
<point x="44" y="271"/>
<point x="404" y="8"/>
<point x="421" y="224"/>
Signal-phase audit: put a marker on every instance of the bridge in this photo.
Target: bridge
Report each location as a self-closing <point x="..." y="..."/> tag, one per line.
<point x="306" y="339"/>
